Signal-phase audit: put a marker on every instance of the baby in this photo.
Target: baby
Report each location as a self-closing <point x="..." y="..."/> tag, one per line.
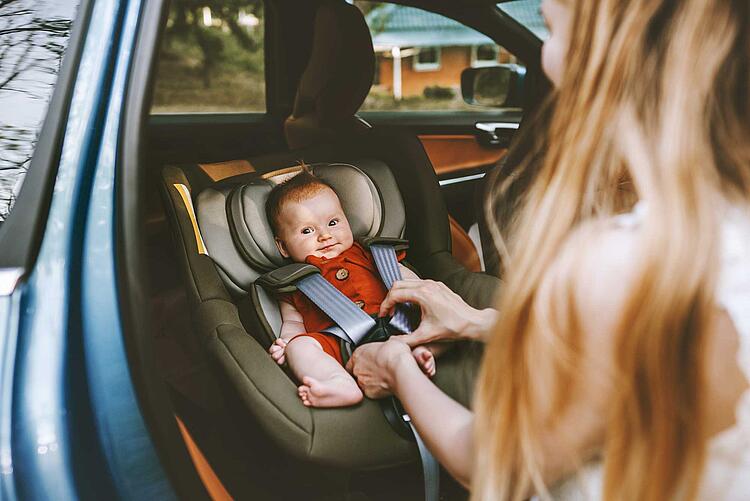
<point x="310" y="226"/>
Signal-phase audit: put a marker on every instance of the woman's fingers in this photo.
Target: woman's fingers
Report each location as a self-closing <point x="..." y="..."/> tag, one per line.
<point x="404" y="291"/>
<point x="420" y="336"/>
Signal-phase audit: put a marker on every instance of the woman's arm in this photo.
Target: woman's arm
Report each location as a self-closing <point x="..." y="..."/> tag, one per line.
<point x="444" y="425"/>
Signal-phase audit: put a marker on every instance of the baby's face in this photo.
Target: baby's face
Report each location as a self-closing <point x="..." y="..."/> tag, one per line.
<point x="315" y="226"/>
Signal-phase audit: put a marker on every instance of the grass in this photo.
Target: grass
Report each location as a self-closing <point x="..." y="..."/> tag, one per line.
<point x="236" y="83"/>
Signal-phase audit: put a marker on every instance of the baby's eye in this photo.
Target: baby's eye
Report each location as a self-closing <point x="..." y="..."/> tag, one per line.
<point x="333" y="222"/>
<point x="307" y="231"/>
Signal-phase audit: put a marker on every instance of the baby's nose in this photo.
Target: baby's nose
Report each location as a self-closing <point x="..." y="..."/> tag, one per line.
<point x="324" y="235"/>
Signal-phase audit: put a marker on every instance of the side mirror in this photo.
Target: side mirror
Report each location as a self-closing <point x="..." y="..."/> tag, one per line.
<point x="499" y="86"/>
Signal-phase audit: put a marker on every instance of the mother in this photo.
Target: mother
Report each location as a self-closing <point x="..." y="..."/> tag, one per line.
<point x="622" y="350"/>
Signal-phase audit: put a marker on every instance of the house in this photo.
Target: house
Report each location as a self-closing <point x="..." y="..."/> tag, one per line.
<point x="416" y="49"/>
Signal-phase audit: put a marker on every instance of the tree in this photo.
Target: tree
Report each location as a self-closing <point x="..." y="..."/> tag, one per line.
<point x="31" y="49"/>
<point x="187" y="21"/>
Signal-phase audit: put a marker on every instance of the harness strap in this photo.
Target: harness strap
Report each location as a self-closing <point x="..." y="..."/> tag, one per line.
<point x="387" y="264"/>
<point x="354" y="322"/>
<point x="430" y="465"/>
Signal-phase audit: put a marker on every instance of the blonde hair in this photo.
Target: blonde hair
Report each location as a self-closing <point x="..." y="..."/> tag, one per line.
<point x="655" y="93"/>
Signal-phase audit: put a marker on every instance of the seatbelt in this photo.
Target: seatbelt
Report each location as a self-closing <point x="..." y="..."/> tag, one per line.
<point x="387" y="264"/>
<point x="354" y="322"/>
<point x="430" y="465"/>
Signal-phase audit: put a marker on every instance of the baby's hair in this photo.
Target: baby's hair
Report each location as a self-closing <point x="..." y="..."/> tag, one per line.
<point x="297" y="188"/>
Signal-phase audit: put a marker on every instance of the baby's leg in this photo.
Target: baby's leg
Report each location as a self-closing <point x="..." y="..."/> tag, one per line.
<point x="325" y="383"/>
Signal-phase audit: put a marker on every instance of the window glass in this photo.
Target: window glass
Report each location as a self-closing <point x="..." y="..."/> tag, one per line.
<point x="211" y="58"/>
<point x="485" y="55"/>
<point x="427" y="59"/>
<point x="527" y="13"/>
<point x="33" y="38"/>
<point x="420" y="56"/>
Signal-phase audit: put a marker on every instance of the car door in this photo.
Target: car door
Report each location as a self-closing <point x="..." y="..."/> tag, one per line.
<point x="70" y="423"/>
<point x="420" y="55"/>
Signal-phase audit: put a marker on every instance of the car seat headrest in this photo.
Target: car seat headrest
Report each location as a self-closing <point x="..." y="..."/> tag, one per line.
<point x="360" y="199"/>
<point x="337" y="78"/>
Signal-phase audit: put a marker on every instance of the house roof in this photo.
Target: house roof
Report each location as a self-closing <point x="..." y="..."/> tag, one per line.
<point x="527" y="13"/>
<point x="394" y="25"/>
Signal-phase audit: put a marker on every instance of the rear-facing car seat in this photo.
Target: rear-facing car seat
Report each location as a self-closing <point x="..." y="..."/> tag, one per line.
<point x="388" y="187"/>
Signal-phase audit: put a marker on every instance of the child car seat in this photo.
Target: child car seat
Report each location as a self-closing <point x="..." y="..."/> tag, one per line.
<point x="225" y="244"/>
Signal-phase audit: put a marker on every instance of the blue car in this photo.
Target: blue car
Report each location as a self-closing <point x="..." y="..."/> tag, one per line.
<point x="118" y="118"/>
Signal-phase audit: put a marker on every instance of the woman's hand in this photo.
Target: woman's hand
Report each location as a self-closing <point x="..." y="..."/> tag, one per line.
<point x="445" y="316"/>
<point x="375" y="366"/>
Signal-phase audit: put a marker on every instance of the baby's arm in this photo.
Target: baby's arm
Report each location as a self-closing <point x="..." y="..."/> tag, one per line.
<point x="292" y="324"/>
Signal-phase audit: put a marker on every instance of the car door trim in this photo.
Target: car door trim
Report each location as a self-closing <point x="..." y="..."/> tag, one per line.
<point x="9" y="279"/>
<point x="493" y="126"/>
<point x="462" y="179"/>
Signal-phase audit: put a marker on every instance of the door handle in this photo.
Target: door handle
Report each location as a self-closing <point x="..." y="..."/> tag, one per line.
<point x="495" y="134"/>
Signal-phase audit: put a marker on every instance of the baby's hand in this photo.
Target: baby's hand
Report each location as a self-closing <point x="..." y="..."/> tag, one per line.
<point x="425" y="359"/>
<point x="277" y="351"/>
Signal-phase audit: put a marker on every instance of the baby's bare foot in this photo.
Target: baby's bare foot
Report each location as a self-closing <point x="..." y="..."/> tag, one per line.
<point x="336" y="391"/>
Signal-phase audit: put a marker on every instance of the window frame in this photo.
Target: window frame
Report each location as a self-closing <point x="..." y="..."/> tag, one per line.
<point x="480" y="63"/>
<point x="419" y="66"/>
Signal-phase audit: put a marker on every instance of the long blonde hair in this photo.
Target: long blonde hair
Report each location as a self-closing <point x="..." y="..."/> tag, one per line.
<point x="655" y="93"/>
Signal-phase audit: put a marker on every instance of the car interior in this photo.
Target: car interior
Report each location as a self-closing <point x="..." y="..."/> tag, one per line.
<point x="195" y="240"/>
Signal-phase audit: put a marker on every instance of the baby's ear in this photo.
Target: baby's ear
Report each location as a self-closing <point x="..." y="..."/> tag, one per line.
<point x="280" y="245"/>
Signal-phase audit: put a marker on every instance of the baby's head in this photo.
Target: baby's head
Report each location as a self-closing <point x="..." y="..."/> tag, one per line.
<point x="307" y="219"/>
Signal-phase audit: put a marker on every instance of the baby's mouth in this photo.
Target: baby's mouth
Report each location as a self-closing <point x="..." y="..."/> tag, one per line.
<point x="327" y="247"/>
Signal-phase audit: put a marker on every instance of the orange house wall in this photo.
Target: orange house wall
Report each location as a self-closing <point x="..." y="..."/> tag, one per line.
<point x="453" y="60"/>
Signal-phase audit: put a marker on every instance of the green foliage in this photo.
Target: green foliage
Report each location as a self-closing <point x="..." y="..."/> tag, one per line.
<point x="211" y="68"/>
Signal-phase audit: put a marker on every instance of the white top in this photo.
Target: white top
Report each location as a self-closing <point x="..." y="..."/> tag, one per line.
<point x="727" y="473"/>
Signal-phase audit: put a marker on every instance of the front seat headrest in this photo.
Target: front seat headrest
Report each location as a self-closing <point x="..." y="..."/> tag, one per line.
<point x="363" y="204"/>
<point x="336" y="80"/>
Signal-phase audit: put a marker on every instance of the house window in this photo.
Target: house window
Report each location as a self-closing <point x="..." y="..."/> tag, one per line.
<point x="484" y="55"/>
<point x="427" y="59"/>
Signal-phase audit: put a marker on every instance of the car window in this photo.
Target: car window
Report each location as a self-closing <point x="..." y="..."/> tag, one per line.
<point x="211" y="58"/>
<point x="528" y="14"/>
<point x="419" y="57"/>
<point x="33" y="37"/>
